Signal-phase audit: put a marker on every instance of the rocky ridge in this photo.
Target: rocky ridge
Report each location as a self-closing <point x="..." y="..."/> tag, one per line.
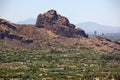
<point x="51" y="30"/>
<point x="8" y="30"/>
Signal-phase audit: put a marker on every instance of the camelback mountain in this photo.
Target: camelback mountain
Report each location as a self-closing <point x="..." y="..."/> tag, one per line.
<point x="50" y="31"/>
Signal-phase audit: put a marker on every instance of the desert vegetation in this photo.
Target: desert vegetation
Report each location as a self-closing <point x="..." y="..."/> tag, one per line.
<point x="67" y="63"/>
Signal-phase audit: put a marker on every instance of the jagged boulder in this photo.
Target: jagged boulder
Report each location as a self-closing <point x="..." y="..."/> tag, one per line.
<point x="58" y="24"/>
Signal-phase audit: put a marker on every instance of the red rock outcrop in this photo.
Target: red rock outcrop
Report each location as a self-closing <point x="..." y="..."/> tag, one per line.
<point x="58" y="24"/>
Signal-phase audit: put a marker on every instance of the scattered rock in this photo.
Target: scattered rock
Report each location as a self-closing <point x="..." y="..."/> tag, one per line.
<point x="27" y="41"/>
<point x="3" y="34"/>
<point x="12" y="36"/>
<point x="117" y="42"/>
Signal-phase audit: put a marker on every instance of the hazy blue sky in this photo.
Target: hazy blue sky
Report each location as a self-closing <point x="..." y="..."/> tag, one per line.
<point x="105" y="12"/>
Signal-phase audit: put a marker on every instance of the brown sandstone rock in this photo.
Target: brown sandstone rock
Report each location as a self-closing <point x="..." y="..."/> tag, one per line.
<point x="58" y="24"/>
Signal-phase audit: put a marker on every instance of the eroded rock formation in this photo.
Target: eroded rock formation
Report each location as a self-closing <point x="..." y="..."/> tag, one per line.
<point x="58" y="24"/>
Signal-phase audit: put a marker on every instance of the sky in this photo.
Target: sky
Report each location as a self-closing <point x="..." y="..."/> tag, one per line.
<point x="106" y="12"/>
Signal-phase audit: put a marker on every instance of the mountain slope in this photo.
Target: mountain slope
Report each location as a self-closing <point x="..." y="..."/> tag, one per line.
<point x="43" y="35"/>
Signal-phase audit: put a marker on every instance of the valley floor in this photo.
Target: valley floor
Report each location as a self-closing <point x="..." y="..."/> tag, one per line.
<point x="59" y="64"/>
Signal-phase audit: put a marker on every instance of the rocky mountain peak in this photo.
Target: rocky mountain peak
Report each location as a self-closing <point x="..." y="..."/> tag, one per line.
<point x="52" y="12"/>
<point x="58" y="24"/>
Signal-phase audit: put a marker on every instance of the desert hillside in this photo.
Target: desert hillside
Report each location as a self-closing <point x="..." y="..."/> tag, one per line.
<point x="54" y="49"/>
<point x="51" y="29"/>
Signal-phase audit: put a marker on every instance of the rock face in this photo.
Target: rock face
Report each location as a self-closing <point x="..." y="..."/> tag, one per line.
<point x="58" y="24"/>
<point x="7" y="24"/>
<point x="7" y="30"/>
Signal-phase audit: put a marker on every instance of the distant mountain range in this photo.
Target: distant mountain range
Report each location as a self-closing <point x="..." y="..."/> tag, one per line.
<point x="28" y="21"/>
<point x="90" y="27"/>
